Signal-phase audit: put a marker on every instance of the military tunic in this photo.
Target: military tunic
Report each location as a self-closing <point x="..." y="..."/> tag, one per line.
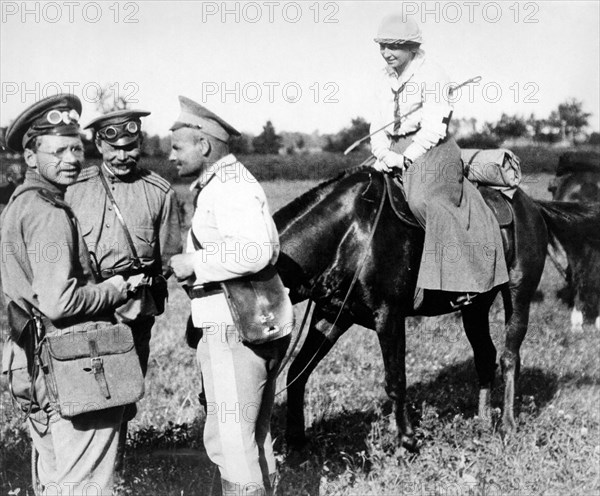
<point x="45" y="265"/>
<point x="462" y="249"/>
<point x="149" y="207"/>
<point x="238" y="237"/>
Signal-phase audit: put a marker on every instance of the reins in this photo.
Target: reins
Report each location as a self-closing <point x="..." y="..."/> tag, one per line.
<point x="352" y="284"/>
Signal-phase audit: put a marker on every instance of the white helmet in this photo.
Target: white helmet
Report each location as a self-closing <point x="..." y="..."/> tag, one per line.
<point x="398" y="29"/>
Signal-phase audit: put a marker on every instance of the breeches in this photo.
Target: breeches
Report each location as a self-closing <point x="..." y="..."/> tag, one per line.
<point x="239" y="385"/>
<point x="77" y="457"/>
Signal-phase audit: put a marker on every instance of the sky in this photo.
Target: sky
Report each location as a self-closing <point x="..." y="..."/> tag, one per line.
<point x="305" y="65"/>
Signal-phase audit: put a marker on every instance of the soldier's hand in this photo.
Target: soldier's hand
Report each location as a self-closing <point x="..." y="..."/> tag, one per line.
<point x="182" y="265"/>
<point x="119" y="283"/>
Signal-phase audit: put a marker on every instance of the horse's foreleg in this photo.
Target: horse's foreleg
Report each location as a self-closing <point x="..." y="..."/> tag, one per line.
<point x="392" y="339"/>
<point x="477" y="327"/>
<point x="320" y="339"/>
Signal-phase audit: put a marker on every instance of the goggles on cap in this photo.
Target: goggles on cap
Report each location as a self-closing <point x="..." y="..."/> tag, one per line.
<point x="56" y="117"/>
<point x="112" y="132"/>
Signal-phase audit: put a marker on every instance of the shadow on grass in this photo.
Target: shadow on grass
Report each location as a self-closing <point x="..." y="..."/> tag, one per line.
<point x="171" y="460"/>
<point x="455" y="389"/>
<point x="334" y="445"/>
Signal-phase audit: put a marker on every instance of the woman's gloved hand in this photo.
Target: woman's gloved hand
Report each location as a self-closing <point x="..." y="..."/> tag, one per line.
<point x="389" y="160"/>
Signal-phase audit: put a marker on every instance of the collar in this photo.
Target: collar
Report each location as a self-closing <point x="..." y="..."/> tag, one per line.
<point x="33" y="178"/>
<point x="409" y="71"/>
<point x="207" y="174"/>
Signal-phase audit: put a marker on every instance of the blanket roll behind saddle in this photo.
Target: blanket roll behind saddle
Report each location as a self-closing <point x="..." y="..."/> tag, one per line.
<point x="498" y="168"/>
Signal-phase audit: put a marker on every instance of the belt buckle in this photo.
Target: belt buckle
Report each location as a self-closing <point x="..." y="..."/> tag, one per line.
<point x="97" y="363"/>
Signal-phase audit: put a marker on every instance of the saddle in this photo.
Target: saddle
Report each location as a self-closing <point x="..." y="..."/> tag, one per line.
<point x="498" y="203"/>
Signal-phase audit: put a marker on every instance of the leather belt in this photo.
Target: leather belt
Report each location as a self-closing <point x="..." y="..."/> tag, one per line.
<point x="396" y="137"/>
<point x="107" y="273"/>
<point x="208" y="289"/>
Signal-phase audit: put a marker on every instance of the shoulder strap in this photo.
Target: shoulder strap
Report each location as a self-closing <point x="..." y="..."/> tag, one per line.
<point x="195" y="241"/>
<point x="136" y="260"/>
<point x="48" y="196"/>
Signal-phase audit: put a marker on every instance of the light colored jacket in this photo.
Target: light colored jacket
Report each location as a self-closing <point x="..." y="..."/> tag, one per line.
<point x="424" y="83"/>
<point x="232" y="223"/>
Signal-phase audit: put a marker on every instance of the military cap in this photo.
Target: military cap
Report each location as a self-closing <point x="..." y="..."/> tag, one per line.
<point x="56" y="115"/>
<point x="120" y="127"/>
<point x="397" y="29"/>
<point x="195" y="115"/>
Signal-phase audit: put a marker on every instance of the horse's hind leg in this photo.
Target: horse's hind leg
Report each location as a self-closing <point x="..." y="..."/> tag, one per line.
<point x="392" y="339"/>
<point x="531" y="242"/>
<point x="477" y="327"/>
<point x="320" y="339"/>
<point x="516" y="327"/>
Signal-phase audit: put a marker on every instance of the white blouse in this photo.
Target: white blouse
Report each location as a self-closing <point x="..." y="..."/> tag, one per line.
<point x="422" y="82"/>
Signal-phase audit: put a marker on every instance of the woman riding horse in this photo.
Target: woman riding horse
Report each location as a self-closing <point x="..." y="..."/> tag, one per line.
<point x="463" y="251"/>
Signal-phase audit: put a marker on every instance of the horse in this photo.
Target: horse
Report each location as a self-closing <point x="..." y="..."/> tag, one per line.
<point x="355" y="253"/>
<point x="578" y="180"/>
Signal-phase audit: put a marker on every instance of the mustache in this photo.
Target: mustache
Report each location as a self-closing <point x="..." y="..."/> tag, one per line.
<point x="129" y="161"/>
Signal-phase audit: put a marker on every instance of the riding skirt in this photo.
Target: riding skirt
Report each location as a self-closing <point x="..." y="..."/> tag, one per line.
<point x="463" y="249"/>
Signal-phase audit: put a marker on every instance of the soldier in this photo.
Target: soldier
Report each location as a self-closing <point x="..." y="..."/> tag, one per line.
<point x="77" y="455"/>
<point x="130" y="223"/>
<point x="232" y="235"/>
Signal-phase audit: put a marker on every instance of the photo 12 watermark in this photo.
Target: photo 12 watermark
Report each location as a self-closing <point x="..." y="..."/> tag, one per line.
<point x="90" y="91"/>
<point x="472" y="12"/>
<point x="69" y="12"/>
<point x="270" y="12"/>
<point x="269" y="92"/>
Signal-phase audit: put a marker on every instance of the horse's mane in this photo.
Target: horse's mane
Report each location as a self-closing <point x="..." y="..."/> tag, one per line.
<point x="315" y="194"/>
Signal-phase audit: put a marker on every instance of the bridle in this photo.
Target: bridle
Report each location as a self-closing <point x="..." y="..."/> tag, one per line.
<point x="357" y="272"/>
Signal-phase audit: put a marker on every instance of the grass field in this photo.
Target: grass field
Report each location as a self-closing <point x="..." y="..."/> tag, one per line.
<point x="555" y="452"/>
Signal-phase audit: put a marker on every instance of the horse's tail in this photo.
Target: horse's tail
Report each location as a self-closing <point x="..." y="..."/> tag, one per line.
<point x="572" y="223"/>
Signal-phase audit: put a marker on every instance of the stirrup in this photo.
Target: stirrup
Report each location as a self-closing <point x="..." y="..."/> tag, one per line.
<point x="463" y="300"/>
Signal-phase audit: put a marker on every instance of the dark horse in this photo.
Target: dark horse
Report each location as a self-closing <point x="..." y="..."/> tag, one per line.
<point x="325" y="235"/>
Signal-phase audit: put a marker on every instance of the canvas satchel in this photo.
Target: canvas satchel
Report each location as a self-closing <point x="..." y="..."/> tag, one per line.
<point x="259" y="304"/>
<point x="90" y="367"/>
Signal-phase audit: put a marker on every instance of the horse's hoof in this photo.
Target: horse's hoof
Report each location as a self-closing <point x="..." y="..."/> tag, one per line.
<point x="577" y="328"/>
<point x="410" y="443"/>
